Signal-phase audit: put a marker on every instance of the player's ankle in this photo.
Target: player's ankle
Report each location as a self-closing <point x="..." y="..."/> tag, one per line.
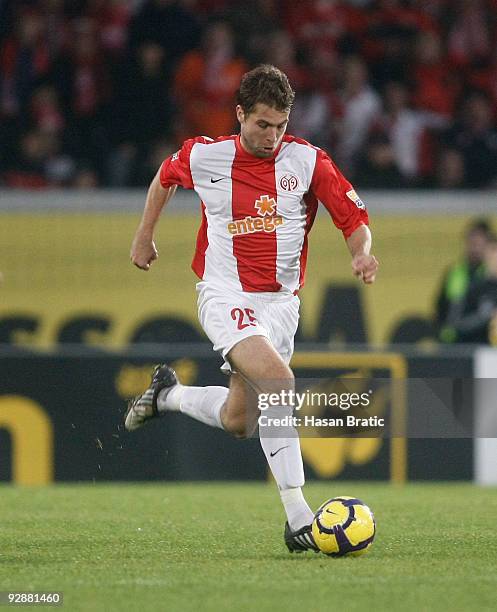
<point x="297" y="510"/>
<point x="169" y="399"/>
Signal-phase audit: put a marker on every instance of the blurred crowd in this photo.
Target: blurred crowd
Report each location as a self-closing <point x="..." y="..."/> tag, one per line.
<point x="402" y="93"/>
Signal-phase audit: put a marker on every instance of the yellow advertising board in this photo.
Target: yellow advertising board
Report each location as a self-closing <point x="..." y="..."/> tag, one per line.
<point x="57" y="267"/>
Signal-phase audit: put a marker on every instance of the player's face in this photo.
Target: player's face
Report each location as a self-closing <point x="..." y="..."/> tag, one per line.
<point x="261" y="130"/>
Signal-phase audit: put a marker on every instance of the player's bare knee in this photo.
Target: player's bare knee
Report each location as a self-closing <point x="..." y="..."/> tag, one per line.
<point x="241" y="434"/>
<point x="278" y="380"/>
<point x="237" y="426"/>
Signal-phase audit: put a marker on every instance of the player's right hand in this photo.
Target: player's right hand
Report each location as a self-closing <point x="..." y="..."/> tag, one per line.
<point x="143" y="252"/>
<point x="365" y="268"/>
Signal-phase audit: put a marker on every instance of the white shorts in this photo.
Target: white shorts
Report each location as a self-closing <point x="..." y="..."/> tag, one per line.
<point x="229" y="317"/>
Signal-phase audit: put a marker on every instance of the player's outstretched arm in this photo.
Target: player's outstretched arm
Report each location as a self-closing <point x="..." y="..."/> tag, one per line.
<point x="364" y="265"/>
<point x="143" y="249"/>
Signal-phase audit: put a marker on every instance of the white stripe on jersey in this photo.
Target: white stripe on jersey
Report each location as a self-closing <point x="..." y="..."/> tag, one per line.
<point x="298" y="161"/>
<point x="214" y="161"/>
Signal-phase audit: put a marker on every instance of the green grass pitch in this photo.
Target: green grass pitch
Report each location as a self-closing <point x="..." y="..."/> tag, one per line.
<point x="219" y="547"/>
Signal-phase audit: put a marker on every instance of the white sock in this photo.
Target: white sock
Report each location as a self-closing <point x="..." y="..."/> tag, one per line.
<point x="201" y="403"/>
<point x="281" y="446"/>
<point x="297" y="510"/>
<point x="170" y="399"/>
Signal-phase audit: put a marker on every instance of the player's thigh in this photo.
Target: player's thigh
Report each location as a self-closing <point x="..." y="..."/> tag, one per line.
<point x="258" y="369"/>
<point x="229" y="319"/>
<point x="260" y="365"/>
<point x="284" y="320"/>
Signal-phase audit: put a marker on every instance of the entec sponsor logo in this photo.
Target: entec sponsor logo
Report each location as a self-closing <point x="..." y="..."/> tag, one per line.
<point x="250" y="225"/>
<point x="267" y="222"/>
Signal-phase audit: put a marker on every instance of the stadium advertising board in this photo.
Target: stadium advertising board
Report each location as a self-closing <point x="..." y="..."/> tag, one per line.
<point x="64" y="422"/>
<point x="67" y="278"/>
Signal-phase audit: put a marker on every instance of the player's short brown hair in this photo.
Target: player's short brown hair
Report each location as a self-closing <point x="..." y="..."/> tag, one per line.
<point x="268" y="85"/>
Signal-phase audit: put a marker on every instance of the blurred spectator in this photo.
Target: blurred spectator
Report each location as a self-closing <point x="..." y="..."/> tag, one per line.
<point x="377" y="168"/>
<point x="45" y="110"/>
<point x="28" y="168"/>
<point x="310" y="117"/>
<point x="6" y="18"/>
<point x="392" y="29"/>
<point x="39" y="162"/>
<point x="169" y="24"/>
<point x="24" y="62"/>
<point x="433" y="8"/>
<point x="479" y="312"/>
<point x="59" y="166"/>
<point x="449" y="173"/>
<point x="405" y="129"/>
<point x="252" y="23"/>
<point x="83" y="77"/>
<point x="316" y="23"/>
<point x="281" y="51"/>
<point x="475" y="136"/>
<point x="103" y="81"/>
<point x="436" y="85"/>
<point x="208" y="7"/>
<point x="85" y="178"/>
<point x="459" y="277"/>
<point x="83" y="73"/>
<point x="206" y="82"/>
<point x="146" y="167"/>
<point x="142" y="112"/>
<point x="113" y="18"/>
<point x="391" y="55"/>
<point x="469" y="39"/>
<point x="483" y="77"/>
<point x="324" y="23"/>
<point x="57" y="26"/>
<point x="395" y="12"/>
<point x="361" y="106"/>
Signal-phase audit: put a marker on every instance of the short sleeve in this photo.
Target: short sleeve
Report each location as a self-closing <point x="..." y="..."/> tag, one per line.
<point x="338" y="196"/>
<point x="175" y="170"/>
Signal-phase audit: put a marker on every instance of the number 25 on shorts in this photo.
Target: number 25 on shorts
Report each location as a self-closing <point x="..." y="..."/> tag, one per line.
<point x="244" y="317"/>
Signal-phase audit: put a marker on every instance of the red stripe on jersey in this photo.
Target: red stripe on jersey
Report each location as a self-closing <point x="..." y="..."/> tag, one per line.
<point x="311" y="203"/>
<point x="255" y="252"/>
<point x="198" y="263"/>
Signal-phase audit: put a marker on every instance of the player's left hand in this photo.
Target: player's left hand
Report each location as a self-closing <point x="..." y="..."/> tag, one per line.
<point x="365" y="268"/>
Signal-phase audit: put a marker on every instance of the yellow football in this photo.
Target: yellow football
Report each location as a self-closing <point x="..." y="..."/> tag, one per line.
<point x="343" y="526"/>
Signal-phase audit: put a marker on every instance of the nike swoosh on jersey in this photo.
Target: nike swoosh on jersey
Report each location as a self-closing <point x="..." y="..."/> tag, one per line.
<point x="216" y="180"/>
<point x="277" y="451"/>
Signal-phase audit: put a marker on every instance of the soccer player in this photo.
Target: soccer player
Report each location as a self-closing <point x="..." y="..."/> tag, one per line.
<point x="260" y="192"/>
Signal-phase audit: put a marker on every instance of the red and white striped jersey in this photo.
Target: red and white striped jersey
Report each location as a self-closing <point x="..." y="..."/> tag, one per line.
<point x="257" y="212"/>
